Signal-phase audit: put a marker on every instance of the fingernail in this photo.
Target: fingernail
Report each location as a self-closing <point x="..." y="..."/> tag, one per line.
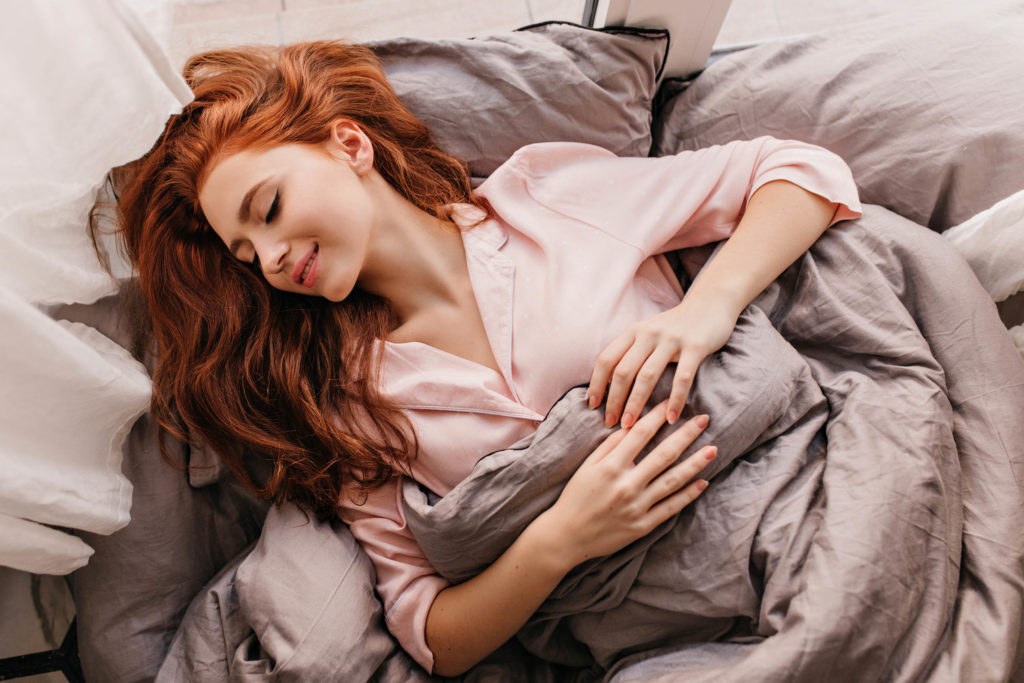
<point x="627" y="419"/>
<point x="701" y="484"/>
<point x="673" y="415"/>
<point x="710" y="452"/>
<point x="592" y="401"/>
<point x="610" y="419"/>
<point x="701" y="421"/>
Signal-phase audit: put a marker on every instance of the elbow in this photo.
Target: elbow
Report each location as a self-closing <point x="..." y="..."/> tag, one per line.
<point x="446" y="672"/>
<point x="449" y="664"/>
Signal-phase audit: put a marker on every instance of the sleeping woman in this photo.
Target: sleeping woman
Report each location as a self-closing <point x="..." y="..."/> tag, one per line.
<point x="329" y="297"/>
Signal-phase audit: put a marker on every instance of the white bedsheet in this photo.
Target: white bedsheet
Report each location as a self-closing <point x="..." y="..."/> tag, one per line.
<point x="85" y="88"/>
<point x="993" y="243"/>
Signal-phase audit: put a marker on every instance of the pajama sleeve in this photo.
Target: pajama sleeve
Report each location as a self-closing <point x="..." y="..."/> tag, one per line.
<point x="406" y="582"/>
<point x="684" y="200"/>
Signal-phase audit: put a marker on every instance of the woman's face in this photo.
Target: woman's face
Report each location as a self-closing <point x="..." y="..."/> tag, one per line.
<point x="302" y="212"/>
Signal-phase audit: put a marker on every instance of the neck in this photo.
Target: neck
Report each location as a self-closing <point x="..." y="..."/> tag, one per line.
<point x="416" y="261"/>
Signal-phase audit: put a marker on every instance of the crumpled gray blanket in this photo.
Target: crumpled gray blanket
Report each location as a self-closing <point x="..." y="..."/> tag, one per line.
<point x="864" y="520"/>
<point x="865" y="514"/>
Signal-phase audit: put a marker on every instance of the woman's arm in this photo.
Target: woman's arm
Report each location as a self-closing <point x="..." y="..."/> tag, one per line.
<point x="782" y="220"/>
<point x="608" y="503"/>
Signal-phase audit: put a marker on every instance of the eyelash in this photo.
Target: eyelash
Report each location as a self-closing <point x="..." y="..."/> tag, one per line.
<point x="274" y="208"/>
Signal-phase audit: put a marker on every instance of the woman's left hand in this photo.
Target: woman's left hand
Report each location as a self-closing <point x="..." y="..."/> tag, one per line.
<point x="636" y="359"/>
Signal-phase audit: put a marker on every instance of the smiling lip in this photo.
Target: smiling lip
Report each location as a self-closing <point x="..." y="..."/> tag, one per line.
<point x="301" y="266"/>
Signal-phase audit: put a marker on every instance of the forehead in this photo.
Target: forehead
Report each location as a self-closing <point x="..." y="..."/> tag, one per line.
<point x="230" y="175"/>
<point x="231" y="168"/>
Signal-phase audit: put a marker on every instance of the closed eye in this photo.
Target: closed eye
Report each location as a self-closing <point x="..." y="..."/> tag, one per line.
<point x="273" y="208"/>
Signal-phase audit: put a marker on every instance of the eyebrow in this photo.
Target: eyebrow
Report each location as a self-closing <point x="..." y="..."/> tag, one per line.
<point x="244" y="210"/>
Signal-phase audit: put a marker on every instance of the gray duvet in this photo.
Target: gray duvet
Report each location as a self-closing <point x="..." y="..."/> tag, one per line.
<point x="865" y="519"/>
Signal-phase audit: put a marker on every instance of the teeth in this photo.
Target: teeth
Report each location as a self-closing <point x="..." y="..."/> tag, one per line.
<point x="309" y="264"/>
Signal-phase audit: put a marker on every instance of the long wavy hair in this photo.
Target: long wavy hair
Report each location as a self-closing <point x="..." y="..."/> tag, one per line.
<point x="260" y="375"/>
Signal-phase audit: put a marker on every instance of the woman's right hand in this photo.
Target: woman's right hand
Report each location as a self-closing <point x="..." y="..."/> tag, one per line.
<point x="608" y="503"/>
<point x="612" y="500"/>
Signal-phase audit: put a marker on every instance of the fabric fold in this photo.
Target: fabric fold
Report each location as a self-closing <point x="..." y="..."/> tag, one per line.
<point x="864" y="510"/>
<point x="92" y="90"/>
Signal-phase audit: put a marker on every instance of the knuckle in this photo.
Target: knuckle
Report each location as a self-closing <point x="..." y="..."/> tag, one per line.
<point x="665" y="456"/>
<point x="681" y="382"/>
<point x="620" y="494"/>
<point x="648" y="376"/>
<point x="649" y="428"/>
<point x="681" y="500"/>
<point x="630" y="509"/>
<point x="646" y="335"/>
<point x="621" y="373"/>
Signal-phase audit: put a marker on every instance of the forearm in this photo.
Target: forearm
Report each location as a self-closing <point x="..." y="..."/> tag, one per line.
<point x="781" y="222"/>
<point x="609" y="502"/>
<point x="470" y="620"/>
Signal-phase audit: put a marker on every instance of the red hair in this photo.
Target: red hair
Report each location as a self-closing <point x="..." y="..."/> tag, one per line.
<point x="252" y="371"/>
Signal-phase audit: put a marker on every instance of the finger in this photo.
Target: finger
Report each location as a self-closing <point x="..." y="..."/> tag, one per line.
<point x="682" y="382"/>
<point x="671" y="447"/>
<point x="649" y="374"/>
<point x="606" y="446"/>
<point x="674" y="504"/>
<point x="622" y="380"/>
<point x="638" y="436"/>
<point x="606" y="362"/>
<point x="673" y="479"/>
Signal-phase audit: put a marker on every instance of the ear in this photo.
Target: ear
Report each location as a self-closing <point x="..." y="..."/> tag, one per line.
<point x="348" y="142"/>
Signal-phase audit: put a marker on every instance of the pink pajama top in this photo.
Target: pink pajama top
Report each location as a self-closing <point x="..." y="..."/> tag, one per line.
<point x="569" y="259"/>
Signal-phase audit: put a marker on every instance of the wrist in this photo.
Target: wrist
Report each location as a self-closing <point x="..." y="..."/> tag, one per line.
<point x="719" y="298"/>
<point x="547" y="540"/>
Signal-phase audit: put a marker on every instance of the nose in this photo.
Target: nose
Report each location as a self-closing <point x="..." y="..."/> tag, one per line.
<point x="272" y="255"/>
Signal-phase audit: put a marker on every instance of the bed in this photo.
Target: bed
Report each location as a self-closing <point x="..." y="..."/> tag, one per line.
<point x="205" y="584"/>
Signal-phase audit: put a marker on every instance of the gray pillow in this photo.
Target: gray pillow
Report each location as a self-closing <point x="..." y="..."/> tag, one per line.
<point x="484" y="98"/>
<point x="298" y="606"/>
<point x="130" y="597"/>
<point x="926" y="109"/>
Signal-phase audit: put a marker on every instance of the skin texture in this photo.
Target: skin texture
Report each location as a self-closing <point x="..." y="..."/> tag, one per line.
<point x="781" y="222"/>
<point x="329" y="197"/>
<point x="608" y="503"/>
<point x="308" y="196"/>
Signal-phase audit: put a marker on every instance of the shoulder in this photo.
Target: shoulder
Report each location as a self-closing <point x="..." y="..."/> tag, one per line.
<point x="543" y="158"/>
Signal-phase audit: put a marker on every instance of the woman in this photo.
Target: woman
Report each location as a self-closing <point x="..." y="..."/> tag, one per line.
<point x="329" y="297"/>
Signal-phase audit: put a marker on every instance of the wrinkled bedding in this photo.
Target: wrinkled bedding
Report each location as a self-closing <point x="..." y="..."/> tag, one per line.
<point x="863" y="522"/>
<point x="865" y="511"/>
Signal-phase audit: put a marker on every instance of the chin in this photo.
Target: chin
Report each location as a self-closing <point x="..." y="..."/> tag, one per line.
<point x="336" y="296"/>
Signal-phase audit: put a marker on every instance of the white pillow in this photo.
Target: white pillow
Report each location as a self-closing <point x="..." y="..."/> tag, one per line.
<point x="993" y="243"/>
<point x="85" y="89"/>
